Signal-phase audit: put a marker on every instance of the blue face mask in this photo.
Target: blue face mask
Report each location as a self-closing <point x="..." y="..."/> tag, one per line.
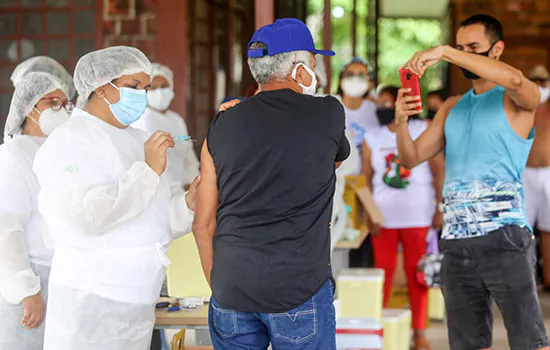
<point x="131" y="105"/>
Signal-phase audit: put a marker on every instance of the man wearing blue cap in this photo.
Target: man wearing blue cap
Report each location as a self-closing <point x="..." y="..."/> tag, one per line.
<point x="262" y="222"/>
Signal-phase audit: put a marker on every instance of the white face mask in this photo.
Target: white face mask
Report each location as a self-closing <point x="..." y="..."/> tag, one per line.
<point x="355" y="86"/>
<point x="50" y="119"/>
<point x="312" y="88"/>
<point x="544" y="94"/>
<point x="160" y="99"/>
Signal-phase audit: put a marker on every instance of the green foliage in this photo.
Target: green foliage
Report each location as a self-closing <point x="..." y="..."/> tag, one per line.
<point x="399" y="39"/>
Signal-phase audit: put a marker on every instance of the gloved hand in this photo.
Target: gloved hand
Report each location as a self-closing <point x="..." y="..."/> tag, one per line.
<point x="155" y="151"/>
<point x="191" y="196"/>
<point x="34" y="311"/>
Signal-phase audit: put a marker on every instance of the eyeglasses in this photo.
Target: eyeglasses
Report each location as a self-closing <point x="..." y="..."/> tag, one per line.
<point x="56" y="104"/>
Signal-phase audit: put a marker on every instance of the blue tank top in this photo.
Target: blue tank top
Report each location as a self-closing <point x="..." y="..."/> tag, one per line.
<point x="485" y="160"/>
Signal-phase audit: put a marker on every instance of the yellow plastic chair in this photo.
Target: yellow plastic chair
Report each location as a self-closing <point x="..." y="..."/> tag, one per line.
<point x="178" y="341"/>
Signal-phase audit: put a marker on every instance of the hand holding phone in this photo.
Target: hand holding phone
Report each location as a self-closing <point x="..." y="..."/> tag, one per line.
<point x="409" y="80"/>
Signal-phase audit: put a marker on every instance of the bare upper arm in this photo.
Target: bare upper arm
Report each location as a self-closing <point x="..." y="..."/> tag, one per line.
<point x="524" y="94"/>
<point x="207" y="191"/>
<point x="432" y="140"/>
<point x="437" y="165"/>
<point x="367" y="169"/>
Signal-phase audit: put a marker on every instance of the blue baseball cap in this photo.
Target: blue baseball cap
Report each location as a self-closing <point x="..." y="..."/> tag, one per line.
<point x="285" y="35"/>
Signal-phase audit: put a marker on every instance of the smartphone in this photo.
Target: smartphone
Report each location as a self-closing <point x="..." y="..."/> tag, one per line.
<point x="409" y="80"/>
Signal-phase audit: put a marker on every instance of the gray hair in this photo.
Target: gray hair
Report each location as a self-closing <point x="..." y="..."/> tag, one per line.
<point x="267" y="68"/>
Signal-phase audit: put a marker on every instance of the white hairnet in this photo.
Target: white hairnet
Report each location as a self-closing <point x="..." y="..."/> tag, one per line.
<point x="44" y="64"/>
<point x="100" y="67"/>
<point x="160" y="70"/>
<point x="320" y="71"/>
<point x="28" y="91"/>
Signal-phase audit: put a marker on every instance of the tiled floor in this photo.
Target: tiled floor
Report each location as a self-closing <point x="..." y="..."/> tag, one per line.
<point x="437" y="333"/>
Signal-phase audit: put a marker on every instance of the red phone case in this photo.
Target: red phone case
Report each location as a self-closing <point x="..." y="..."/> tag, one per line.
<point x="409" y="80"/>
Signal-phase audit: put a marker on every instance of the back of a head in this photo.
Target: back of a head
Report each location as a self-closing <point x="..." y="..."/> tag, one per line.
<point x="43" y="64"/>
<point x="276" y="48"/>
<point x="268" y="68"/>
<point x="441" y="93"/>
<point x="390" y="89"/>
<point x="538" y="73"/>
<point x="100" y="67"/>
<point x="493" y="27"/>
<point x="29" y="90"/>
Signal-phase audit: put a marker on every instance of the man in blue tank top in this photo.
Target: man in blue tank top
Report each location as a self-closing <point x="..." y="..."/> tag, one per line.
<point x="487" y="133"/>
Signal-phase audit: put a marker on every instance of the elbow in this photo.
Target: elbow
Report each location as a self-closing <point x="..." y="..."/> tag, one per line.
<point x="407" y="163"/>
<point x="202" y="230"/>
<point x="517" y="79"/>
<point x="198" y="229"/>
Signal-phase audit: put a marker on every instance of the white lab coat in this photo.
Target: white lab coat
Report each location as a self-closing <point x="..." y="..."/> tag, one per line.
<point x="111" y="218"/>
<point x="24" y="258"/>
<point x="339" y="212"/>
<point x="183" y="164"/>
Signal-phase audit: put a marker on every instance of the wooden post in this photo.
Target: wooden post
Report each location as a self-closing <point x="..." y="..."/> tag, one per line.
<point x="327" y="41"/>
<point x="354" y="29"/>
<point x="264" y="10"/>
<point x="172" y="19"/>
<point x="377" y="43"/>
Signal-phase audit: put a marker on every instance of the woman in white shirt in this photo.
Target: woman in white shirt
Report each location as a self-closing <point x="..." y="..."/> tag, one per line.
<point x="407" y="199"/>
<point x="353" y="88"/>
<point x="37" y="108"/>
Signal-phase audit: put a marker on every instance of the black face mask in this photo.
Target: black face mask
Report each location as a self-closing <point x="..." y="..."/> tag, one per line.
<point x="431" y="114"/>
<point x="473" y="76"/>
<point x="385" y="115"/>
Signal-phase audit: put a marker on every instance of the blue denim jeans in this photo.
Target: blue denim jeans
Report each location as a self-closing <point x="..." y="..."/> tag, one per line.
<point x="308" y="327"/>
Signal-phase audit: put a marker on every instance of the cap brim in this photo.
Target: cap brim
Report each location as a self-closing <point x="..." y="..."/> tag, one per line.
<point x="324" y="52"/>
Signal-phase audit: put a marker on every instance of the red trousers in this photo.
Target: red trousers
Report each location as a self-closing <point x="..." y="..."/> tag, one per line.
<point x="385" y="247"/>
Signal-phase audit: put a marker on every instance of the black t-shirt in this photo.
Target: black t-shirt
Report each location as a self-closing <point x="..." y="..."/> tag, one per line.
<point x="275" y="158"/>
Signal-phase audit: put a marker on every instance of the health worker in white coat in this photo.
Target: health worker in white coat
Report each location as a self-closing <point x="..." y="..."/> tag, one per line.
<point x="44" y="64"/>
<point x="37" y="108"/>
<point x="111" y="210"/>
<point x="183" y="164"/>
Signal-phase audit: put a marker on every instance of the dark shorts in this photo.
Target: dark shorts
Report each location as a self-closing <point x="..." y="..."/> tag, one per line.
<point x="498" y="267"/>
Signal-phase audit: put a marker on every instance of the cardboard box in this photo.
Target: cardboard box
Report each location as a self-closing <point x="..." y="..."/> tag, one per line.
<point x="359" y="197"/>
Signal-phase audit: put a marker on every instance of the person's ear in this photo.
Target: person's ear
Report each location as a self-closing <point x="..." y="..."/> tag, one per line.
<point x="498" y="49"/>
<point x="101" y="91"/>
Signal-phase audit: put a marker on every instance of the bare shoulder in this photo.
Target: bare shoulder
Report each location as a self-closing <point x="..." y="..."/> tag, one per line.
<point x="451" y="102"/>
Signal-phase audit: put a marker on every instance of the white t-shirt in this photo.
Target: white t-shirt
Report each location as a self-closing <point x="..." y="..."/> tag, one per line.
<point x="406" y="198"/>
<point x="359" y="122"/>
